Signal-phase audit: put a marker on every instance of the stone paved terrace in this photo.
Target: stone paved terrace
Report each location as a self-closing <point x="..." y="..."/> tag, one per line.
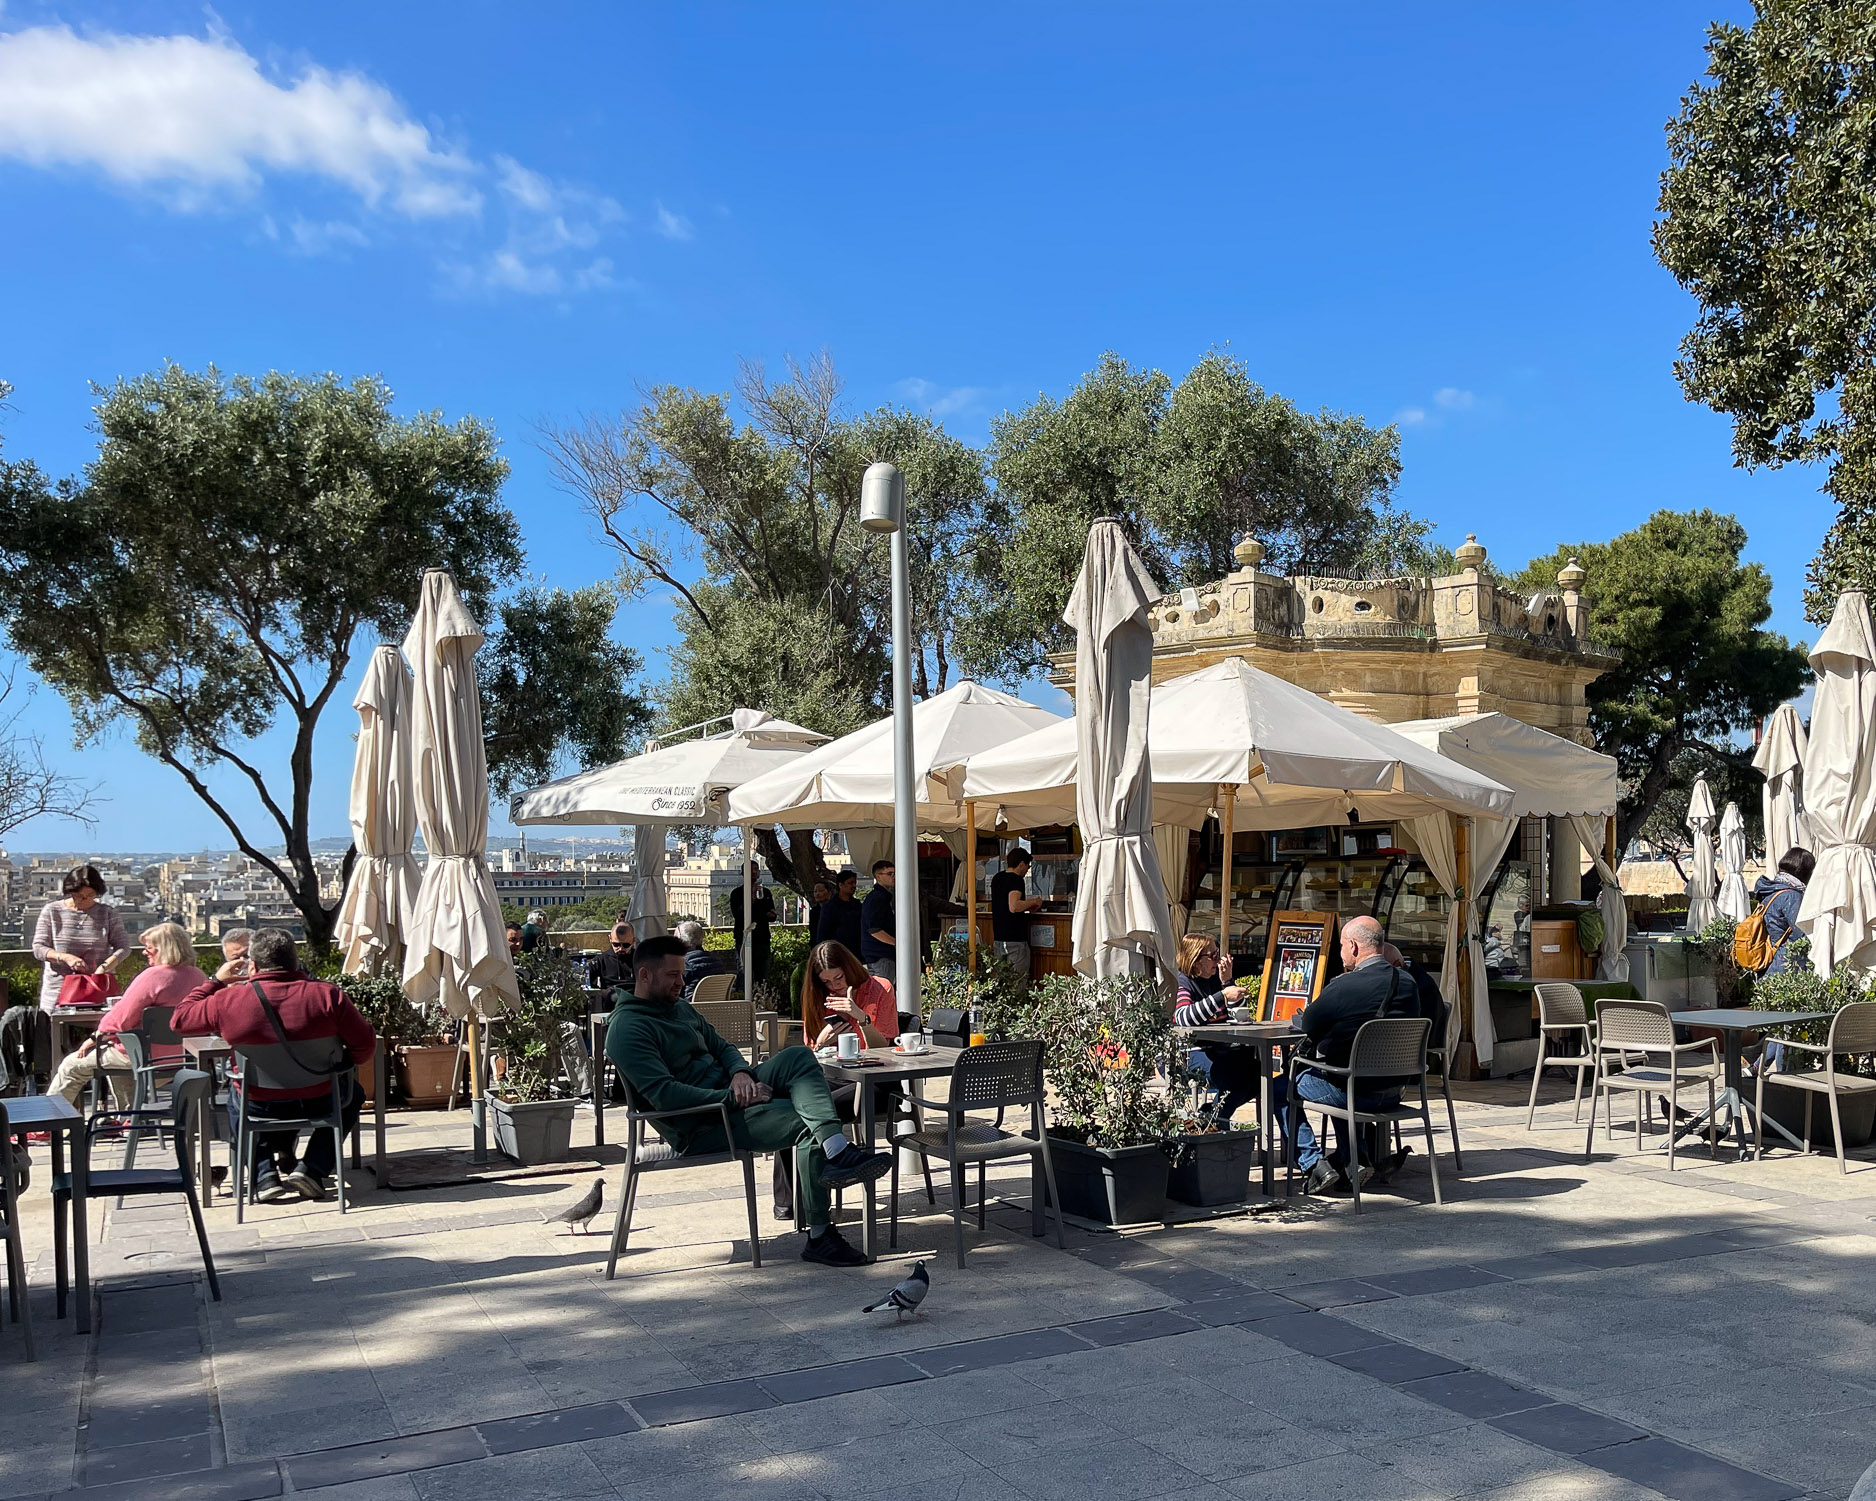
<point x="1559" y="1331"/>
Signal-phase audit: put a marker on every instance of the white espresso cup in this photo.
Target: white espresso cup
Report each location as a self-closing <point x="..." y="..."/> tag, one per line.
<point x="849" y="1045"/>
<point x="911" y="1042"/>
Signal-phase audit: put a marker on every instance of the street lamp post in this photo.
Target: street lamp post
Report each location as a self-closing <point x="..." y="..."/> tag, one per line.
<point x="882" y="509"/>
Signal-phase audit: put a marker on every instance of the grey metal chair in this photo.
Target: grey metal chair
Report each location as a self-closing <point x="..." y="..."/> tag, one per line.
<point x="1645" y="1030"/>
<point x="1562" y="1013"/>
<point x="19" y="1294"/>
<point x="1438" y="1054"/>
<point x="189" y="1094"/>
<point x="1387" y="1048"/>
<point x="647" y="1152"/>
<point x="149" y="1074"/>
<point x="1852" y="1033"/>
<point x="310" y="1061"/>
<point x="991" y="1076"/>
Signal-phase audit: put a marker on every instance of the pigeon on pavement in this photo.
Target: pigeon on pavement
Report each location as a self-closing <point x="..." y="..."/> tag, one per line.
<point x="905" y="1296"/>
<point x="581" y="1214"/>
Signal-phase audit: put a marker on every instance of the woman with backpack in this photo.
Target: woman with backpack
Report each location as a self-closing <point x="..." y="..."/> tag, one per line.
<point x="1779" y="897"/>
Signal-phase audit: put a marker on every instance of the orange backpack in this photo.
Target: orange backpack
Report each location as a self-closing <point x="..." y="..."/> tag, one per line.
<point x="1753" y="949"/>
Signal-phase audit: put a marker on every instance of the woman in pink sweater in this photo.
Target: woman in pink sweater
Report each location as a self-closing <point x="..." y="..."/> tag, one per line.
<point x="170" y="975"/>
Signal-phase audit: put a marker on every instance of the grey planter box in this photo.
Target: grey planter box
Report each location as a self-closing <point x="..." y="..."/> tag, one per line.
<point x="1212" y="1169"/>
<point x="533" y="1133"/>
<point x="1786" y="1106"/>
<point x="1121" y="1186"/>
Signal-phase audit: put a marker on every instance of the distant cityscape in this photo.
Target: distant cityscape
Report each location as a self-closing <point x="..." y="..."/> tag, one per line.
<point x="211" y="891"/>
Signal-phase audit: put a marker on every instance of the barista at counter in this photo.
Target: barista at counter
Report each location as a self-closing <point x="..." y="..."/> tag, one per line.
<point x="1010" y="906"/>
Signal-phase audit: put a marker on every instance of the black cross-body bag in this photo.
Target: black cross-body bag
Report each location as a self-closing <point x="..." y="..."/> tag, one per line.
<point x="324" y="1071"/>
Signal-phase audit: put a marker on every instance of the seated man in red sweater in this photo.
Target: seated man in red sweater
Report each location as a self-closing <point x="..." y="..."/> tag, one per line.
<point x="230" y="1006"/>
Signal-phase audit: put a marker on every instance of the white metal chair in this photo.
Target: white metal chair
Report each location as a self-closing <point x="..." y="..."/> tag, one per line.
<point x="1852" y="1032"/>
<point x="1645" y="1029"/>
<point x="1562" y="1013"/>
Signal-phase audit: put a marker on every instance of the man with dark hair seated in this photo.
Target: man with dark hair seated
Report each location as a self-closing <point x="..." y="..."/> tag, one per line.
<point x="676" y="1059"/>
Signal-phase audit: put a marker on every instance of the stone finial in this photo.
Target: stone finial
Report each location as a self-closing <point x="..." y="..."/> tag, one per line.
<point x="1471" y="556"/>
<point x="1249" y="552"/>
<point x="1571" y="575"/>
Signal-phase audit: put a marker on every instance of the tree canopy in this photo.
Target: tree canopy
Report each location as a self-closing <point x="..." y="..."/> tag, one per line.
<point x="216" y="566"/>
<point x="1767" y="218"/>
<point x="1188" y="468"/>
<point x="1687" y="616"/>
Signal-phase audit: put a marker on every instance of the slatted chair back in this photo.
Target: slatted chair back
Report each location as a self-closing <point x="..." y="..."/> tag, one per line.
<point x="1560" y="1005"/>
<point x="1853" y="1030"/>
<point x="1642" y="1025"/>
<point x="994" y="1075"/>
<point x="735" y="1021"/>
<point x="712" y="989"/>
<point x="1390" y="1047"/>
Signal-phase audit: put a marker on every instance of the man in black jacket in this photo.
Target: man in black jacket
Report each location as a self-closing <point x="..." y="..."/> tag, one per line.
<point x="1369" y="986"/>
<point x="840" y="918"/>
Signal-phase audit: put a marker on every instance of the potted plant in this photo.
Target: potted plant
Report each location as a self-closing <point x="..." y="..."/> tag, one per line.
<point x="380" y="999"/>
<point x="1111" y="1127"/>
<point x="1211" y="1162"/>
<point x="1799" y="987"/>
<point x="539" y="1040"/>
<point x="425" y="1059"/>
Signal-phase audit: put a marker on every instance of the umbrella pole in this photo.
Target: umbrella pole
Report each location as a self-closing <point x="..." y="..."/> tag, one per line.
<point x="1228" y="795"/>
<point x="970" y="884"/>
<point x="478" y="1106"/>
<point x="1465" y="1060"/>
<point x="749" y="913"/>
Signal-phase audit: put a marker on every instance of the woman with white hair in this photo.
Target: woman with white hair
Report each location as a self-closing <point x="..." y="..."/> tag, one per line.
<point x="169" y="975"/>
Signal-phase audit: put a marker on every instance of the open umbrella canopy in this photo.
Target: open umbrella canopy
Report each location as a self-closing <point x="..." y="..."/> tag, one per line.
<point x="1549" y="776"/>
<point x="1780" y="760"/>
<point x="1701" y="908"/>
<point x="1733" y="901"/>
<point x="1839" y="910"/>
<point x="381" y="895"/>
<point x="848" y="782"/>
<point x="683" y="783"/>
<point x="1296" y="760"/>
<point x="456" y="951"/>
<point x="1121" y="915"/>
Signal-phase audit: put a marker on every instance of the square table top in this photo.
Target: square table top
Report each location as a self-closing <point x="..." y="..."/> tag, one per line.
<point x="204" y="1045"/>
<point x="1744" y="1019"/>
<point x="1244" y="1032"/>
<point x="892" y="1065"/>
<point x="42" y="1112"/>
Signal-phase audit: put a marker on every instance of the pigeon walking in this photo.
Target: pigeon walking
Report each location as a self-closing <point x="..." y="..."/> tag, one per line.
<point x="581" y="1214"/>
<point x="905" y="1296"/>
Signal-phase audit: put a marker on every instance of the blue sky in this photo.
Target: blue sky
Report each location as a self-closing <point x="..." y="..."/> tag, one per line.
<point x="1431" y="215"/>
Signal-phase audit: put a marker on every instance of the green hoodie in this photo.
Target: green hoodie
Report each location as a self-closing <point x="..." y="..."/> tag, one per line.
<point x="674" y="1059"/>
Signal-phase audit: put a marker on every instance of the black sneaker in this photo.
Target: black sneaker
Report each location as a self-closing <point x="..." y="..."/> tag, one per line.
<point x="828" y="1249"/>
<point x="268" y="1189"/>
<point x="856" y="1164"/>
<point x="312" y="1185"/>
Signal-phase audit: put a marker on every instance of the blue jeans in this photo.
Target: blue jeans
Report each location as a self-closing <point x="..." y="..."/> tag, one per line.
<point x="1315" y="1089"/>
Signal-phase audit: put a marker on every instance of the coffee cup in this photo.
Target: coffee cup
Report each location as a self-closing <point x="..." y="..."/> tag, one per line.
<point x="849" y="1046"/>
<point x="911" y="1042"/>
<point x="1240" y="1015"/>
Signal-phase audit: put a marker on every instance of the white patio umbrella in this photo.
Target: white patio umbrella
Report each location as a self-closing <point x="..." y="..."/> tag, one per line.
<point x="649" y="903"/>
<point x="381" y="895"/>
<point x="1733" y="901"/>
<point x="456" y="951"/>
<point x="1121" y="917"/>
<point x="1701" y="908"/>
<point x="1839" y="911"/>
<point x="1780" y="760"/>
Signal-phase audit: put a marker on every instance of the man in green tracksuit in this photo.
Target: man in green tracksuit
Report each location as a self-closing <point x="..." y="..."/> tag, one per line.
<point x="676" y="1059"/>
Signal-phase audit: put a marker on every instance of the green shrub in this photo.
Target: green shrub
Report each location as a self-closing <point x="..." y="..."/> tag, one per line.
<point x="532" y="1037"/>
<point x="1799" y="987"/>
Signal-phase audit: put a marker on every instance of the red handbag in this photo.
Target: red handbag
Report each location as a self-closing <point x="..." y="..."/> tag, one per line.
<point x="87" y="990"/>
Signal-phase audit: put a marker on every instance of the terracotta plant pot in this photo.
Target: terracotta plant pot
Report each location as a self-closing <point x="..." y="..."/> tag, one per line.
<point x="424" y="1073"/>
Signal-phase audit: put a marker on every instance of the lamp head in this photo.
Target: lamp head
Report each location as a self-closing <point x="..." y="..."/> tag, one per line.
<point x="882" y="498"/>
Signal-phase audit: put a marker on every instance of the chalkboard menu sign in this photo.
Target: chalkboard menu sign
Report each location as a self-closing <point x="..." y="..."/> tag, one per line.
<point x="1295" y="962"/>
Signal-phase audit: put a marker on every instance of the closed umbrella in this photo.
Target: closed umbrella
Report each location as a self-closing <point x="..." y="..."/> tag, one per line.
<point x="1780" y="760"/>
<point x="1733" y="901"/>
<point x="1839" y="910"/>
<point x="1121" y="916"/>
<point x="1701" y="908"/>
<point x="381" y="895"/>
<point x="456" y="952"/>
<point x="649" y="903"/>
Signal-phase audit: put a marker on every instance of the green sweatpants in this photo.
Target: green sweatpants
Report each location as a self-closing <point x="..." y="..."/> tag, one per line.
<point x="802" y="1114"/>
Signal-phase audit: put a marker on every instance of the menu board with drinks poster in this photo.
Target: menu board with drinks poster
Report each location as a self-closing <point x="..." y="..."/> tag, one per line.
<point x="1295" y="963"/>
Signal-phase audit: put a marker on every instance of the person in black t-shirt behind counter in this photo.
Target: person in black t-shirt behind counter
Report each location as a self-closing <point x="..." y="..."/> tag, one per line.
<point x="879" y="924"/>
<point x="1010" y="906"/>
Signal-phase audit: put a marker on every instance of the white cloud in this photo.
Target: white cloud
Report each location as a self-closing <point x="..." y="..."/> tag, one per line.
<point x="941" y="401"/>
<point x="1447" y="402"/>
<point x="199" y="123"/>
<point x="1410" y="416"/>
<point x="1454" y="400"/>
<point x="196" y="118"/>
